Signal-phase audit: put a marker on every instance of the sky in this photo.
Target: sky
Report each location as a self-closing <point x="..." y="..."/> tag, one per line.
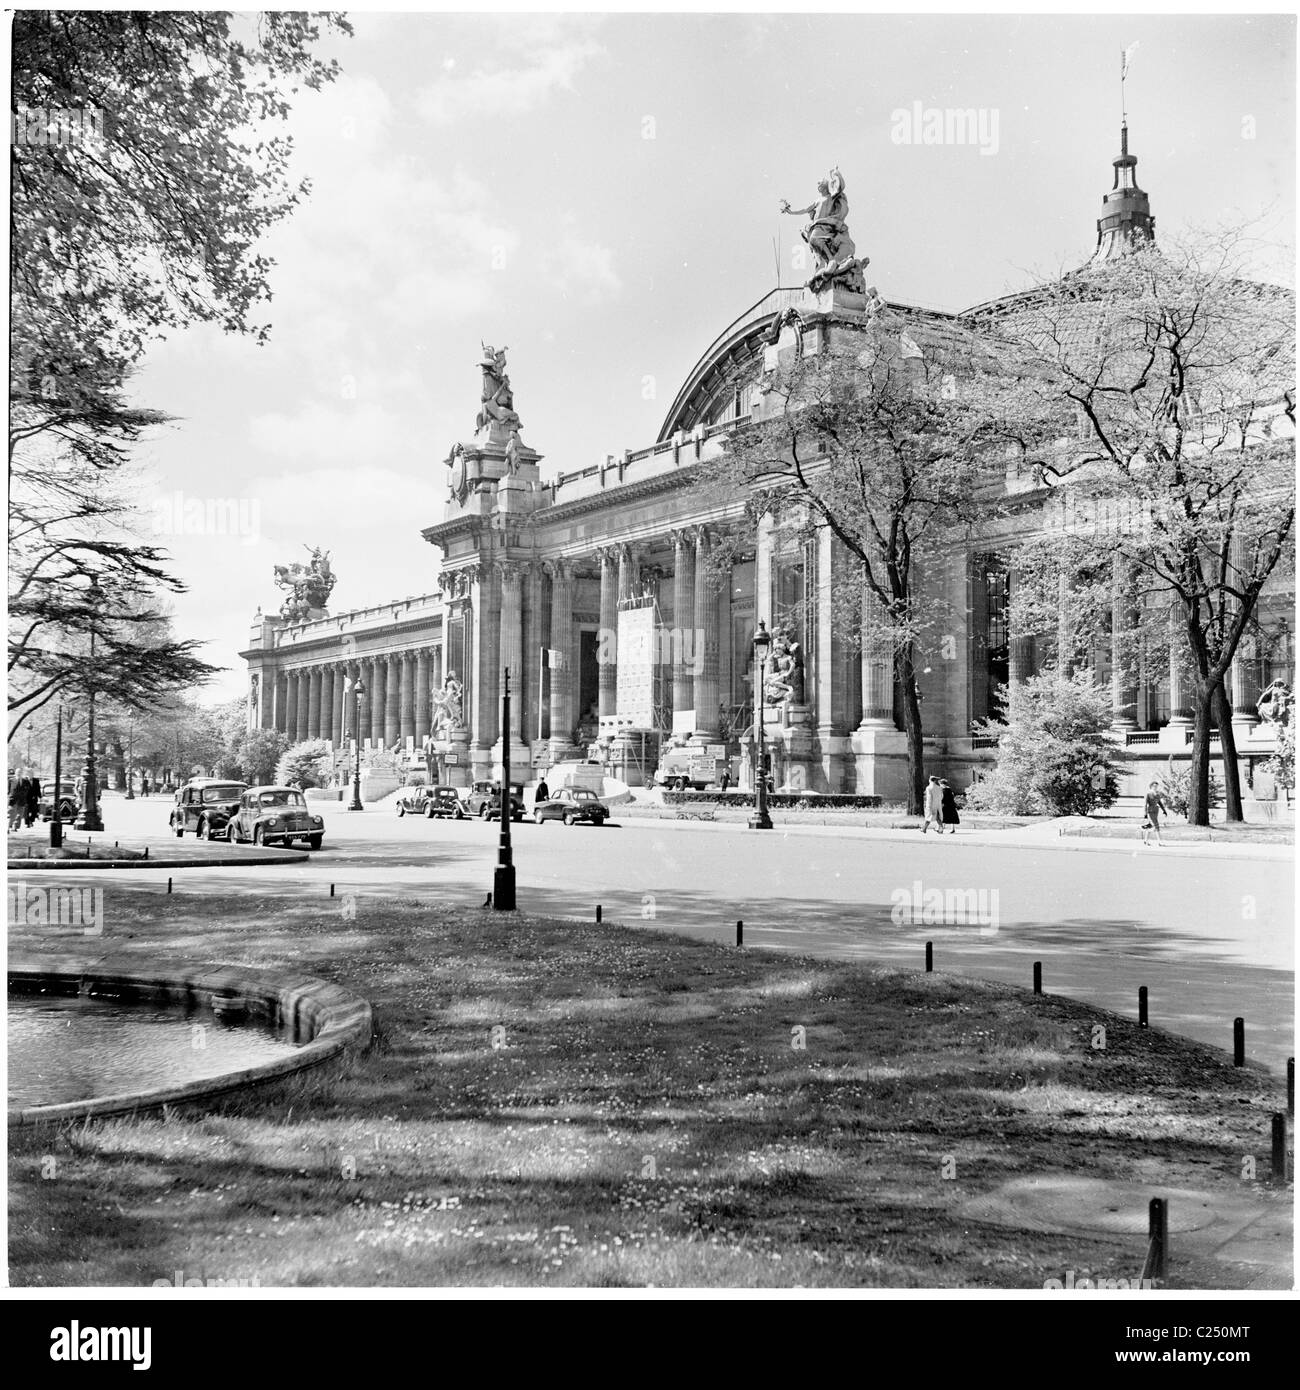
<point x="600" y="194"/>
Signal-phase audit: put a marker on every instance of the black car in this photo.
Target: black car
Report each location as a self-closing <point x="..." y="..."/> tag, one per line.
<point x="205" y="806"/>
<point x="444" y="801"/>
<point x="483" y="799"/>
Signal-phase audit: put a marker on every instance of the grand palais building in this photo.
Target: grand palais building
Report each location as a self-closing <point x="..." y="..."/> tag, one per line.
<point x="590" y="588"/>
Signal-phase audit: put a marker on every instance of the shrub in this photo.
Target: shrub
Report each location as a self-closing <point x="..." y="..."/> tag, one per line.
<point x="1173" y="786"/>
<point x="309" y="764"/>
<point x="1055" y="756"/>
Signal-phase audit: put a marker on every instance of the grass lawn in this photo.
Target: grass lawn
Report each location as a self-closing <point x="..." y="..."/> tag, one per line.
<point x="1177" y="832"/>
<point x="560" y="1103"/>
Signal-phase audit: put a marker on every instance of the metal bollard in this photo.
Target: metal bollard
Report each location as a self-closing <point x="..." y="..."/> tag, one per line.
<point x="929" y="956"/>
<point x="169" y="885"/>
<point x="1038" y="977"/>
<point x="598" y="912"/>
<point x="1279" y="1150"/>
<point x="1142" y="1006"/>
<point x="1290" y="1086"/>
<point x="1157" y="1238"/>
<point x="331" y="890"/>
<point x="740" y="933"/>
<point x="1238" y="1042"/>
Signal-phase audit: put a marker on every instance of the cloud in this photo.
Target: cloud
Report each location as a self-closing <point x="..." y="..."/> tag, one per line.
<point x="501" y="89"/>
<point x="582" y="268"/>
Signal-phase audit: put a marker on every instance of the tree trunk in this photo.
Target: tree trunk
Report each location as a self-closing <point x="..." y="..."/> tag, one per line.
<point x="1228" y="746"/>
<point x="1198" y="792"/>
<point x="906" y="671"/>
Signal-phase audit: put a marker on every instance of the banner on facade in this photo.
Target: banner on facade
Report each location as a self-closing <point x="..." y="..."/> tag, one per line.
<point x="635" y="688"/>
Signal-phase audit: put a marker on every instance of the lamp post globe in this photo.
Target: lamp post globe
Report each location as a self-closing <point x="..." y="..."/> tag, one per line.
<point x="760" y="820"/>
<point x="89" y="817"/>
<point x="358" y="699"/>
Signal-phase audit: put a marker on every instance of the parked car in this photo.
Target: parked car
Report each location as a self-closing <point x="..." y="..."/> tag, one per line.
<point x="444" y="801"/>
<point x="275" y="815"/>
<point x="411" y="800"/>
<point x="484" y="798"/>
<point x="67" y="801"/>
<point x="572" y="804"/>
<point x="205" y="806"/>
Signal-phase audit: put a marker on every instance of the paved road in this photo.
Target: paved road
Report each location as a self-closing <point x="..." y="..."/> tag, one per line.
<point x="1211" y="937"/>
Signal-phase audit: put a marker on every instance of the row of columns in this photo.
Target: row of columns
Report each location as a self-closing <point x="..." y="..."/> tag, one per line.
<point x="317" y="702"/>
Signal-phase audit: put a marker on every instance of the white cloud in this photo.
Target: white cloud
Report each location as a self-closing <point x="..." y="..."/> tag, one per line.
<point x="582" y="268"/>
<point x="501" y="89"/>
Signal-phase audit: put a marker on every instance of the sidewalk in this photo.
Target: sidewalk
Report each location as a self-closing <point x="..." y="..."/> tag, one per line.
<point x="1063" y="833"/>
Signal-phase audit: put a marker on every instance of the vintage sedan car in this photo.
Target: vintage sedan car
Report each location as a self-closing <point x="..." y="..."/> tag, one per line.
<point x="68" y="805"/>
<point x="205" y="806"/>
<point x="571" y="805"/>
<point x="483" y="799"/>
<point x="411" y="800"/>
<point x="444" y="801"/>
<point x="275" y="816"/>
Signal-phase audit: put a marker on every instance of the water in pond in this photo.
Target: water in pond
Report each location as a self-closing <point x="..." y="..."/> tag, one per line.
<point x="65" y="1048"/>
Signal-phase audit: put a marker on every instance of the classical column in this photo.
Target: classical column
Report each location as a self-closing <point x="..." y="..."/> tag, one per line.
<point x="705" y="651"/>
<point x="338" y="675"/>
<point x="423" y="703"/>
<point x="1064" y="638"/>
<point x="877" y="668"/>
<point x="512" y="644"/>
<point x="347" y="702"/>
<point x="685" y="634"/>
<point x="1123" y="690"/>
<point x="562" y="720"/>
<point x="607" y="647"/>
<point x="280" y="719"/>
<point x="313" y="702"/>
<point x="1020" y="659"/>
<point x="392" y="699"/>
<point x="1243" y="687"/>
<point x="406" y="698"/>
<point x="628" y="573"/>
<point x="304" y="705"/>
<point x="375" y="698"/>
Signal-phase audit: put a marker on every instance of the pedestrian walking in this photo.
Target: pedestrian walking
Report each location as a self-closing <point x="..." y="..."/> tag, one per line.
<point x="948" y="807"/>
<point x="17" y="802"/>
<point x="32" y="809"/>
<point x="933" y="806"/>
<point x="1151" y="809"/>
<point x="543" y="792"/>
<point x="724" y="782"/>
<point x="144" y="784"/>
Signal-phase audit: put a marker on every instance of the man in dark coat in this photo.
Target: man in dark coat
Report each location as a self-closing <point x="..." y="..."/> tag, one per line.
<point x="948" y="805"/>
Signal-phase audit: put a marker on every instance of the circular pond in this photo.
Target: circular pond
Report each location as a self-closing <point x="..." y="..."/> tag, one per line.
<point x="117" y="1036"/>
<point x="69" y="1048"/>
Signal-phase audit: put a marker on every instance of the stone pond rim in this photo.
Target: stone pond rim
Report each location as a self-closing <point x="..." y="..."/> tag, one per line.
<point x="334" y="1018"/>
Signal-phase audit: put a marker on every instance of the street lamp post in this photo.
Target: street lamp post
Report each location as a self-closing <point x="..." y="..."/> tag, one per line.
<point x="760" y="820"/>
<point x="56" y="820"/>
<point x="90" y="818"/>
<point x="358" y="697"/>
<point x="130" y="760"/>
<point x="503" y="880"/>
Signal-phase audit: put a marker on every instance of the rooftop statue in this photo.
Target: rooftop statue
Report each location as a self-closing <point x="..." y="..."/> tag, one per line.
<point x="309" y="586"/>
<point x="827" y="235"/>
<point x="498" y="400"/>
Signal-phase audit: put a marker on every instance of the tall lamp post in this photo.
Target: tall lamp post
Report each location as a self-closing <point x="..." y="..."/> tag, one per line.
<point x="760" y="820"/>
<point x="90" y="818"/>
<point x="503" y="880"/>
<point x="358" y="698"/>
<point x="130" y="761"/>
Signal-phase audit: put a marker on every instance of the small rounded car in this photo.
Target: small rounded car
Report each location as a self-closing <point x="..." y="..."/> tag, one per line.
<point x="275" y="816"/>
<point x="484" y="800"/>
<point x="205" y="806"/>
<point x="571" y="805"/>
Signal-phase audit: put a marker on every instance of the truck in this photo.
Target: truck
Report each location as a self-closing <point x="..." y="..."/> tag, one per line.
<point x="696" y="768"/>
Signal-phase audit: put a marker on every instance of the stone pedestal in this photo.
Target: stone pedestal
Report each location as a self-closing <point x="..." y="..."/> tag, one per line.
<point x="880" y="762"/>
<point x="521" y="762"/>
<point x="454" y="766"/>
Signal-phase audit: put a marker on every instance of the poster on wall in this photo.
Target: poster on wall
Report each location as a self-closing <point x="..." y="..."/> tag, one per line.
<point x="635" y="688"/>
